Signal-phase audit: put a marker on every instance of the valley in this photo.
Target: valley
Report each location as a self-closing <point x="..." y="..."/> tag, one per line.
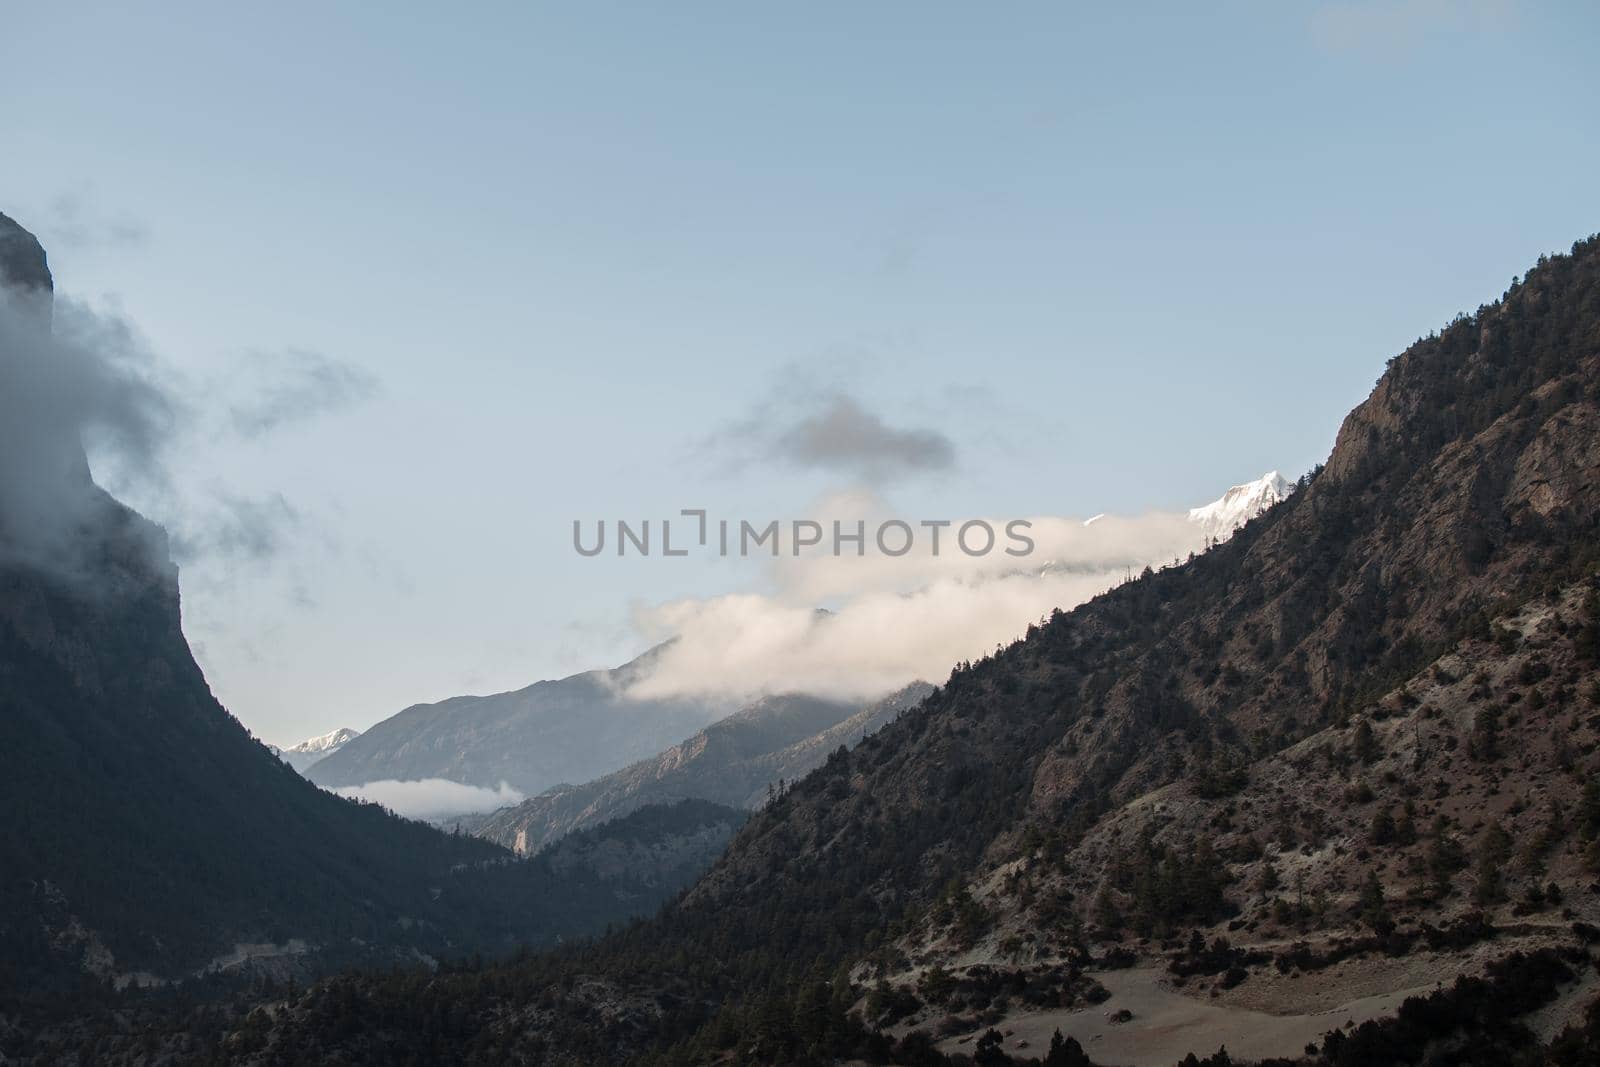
<point x="1326" y="792"/>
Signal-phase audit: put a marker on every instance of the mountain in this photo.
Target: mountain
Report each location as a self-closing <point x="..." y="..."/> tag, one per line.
<point x="551" y="732"/>
<point x="311" y="750"/>
<point x="147" y="836"/>
<point x="1327" y="792"/>
<point x="1240" y="504"/>
<point x="735" y="761"/>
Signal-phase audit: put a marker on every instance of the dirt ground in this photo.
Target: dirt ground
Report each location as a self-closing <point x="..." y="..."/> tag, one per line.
<point x="1167" y="1024"/>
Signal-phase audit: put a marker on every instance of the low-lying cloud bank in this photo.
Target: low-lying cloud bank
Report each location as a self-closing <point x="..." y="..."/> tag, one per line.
<point x="892" y="620"/>
<point x="432" y="798"/>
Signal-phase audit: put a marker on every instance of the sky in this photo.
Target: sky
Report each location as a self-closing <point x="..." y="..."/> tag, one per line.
<point x="428" y="285"/>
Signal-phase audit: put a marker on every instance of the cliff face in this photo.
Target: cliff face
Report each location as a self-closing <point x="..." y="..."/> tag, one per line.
<point x="51" y="514"/>
<point x="58" y="530"/>
<point x="147" y="833"/>
<point x="23" y="263"/>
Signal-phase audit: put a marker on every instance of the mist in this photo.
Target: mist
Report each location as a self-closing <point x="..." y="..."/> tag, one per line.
<point x="432" y="798"/>
<point x="73" y="378"/>
<point x="85" y="405"/>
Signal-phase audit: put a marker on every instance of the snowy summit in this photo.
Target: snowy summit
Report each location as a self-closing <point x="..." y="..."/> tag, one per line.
<point x="1239" y="505"/>
<point x="313" y="749"/>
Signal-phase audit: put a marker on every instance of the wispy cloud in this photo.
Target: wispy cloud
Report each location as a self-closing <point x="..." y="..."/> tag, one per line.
<point x="233" y="527"/>
<point x="73" y="220"/>
<point x="274" y="389"/>
<point x="81" y="392"/>
<point x="70" y="375"/>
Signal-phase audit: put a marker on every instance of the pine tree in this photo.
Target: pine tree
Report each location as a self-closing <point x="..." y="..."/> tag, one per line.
<point x="1589" y="810"/>
<point x="1445" y="857"/>
<point x="1065" y="1052"/>
<point x="1405" y="827"/>
<point x="989" y="1052"/>
<point x="1493" y="851"/>
<point x="1383" y="829"/>
<point x="1106" y="916"/>
<point x="1372" y="908"/>
<point x="1365" y="743"/>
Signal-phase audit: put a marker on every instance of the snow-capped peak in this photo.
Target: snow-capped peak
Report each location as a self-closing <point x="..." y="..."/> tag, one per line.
<point x="327" y="742"/>
<point x="312" y="749"/>
<point x="1239" y="505"/>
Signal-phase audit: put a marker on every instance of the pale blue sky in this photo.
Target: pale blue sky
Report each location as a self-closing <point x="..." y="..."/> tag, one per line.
<point x="1122" y="256"/>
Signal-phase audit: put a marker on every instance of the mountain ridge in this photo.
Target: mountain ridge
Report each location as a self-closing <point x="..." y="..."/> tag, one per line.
<point x="734" y="761"/>
<point x="528" y="737"/>
<point x="552" y="731"/>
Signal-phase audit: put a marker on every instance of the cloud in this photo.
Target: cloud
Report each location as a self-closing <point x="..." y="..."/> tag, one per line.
<point x="234" y="527"/>
<point x="832" y="431"/>
<point x="70" y="376"/>
<point x="843" y="436"/>
<point x="893" y="614"/>
<point x="432" y="798"/>
<point x="292" y="386"/>
<point x="1397" y="25"/>
<point x="893" y="619"/>
<point x="72" y="221"/>
<point x="1111" y="544"/>
<point x="81" y="392"/>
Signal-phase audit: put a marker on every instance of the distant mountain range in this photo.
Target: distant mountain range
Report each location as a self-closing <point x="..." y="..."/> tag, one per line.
<point x="311" y="750"/>
<point x="736" y="762"/>
<point x="578" y="729"/>
<point x="552" y="732"/>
